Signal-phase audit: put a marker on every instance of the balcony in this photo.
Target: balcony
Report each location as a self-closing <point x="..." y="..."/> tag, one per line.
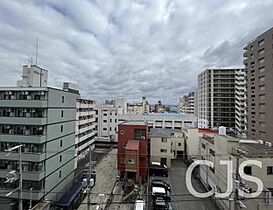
<point x="30" y="175"/>
<point x="23" y="120"/>
<point x="22" y="138"/>
<point x="23" y="103"/>
<point x="31" y="157"/>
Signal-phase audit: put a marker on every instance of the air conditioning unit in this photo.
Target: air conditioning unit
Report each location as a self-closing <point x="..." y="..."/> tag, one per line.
<point x="25" y="92"/>
<point x="40" y="128"/>
<point x="33" y="110"/>
<point x="8" y="110"/>
<point x="9" y="92"/>
<point x="42" y="93"/>
<point x="24" y="110"/>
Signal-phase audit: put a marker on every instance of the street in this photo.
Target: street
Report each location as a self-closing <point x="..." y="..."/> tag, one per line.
<point x="181" y="198"/>
<point x="106" y="176"/>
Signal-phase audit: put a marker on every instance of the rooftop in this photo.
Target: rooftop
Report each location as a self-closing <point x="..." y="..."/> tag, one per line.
<point x="162" y="132"/>
<point x="132" y="145"/>
<point x="134" y="123"/>
<point x="256" y="150"/>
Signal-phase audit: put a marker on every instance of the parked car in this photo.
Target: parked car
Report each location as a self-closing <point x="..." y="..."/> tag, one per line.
<point x="158" y="169"/>
<point x="160" y="193"/>
<point x="160" y="183"/>
<point x="161" y="204"/>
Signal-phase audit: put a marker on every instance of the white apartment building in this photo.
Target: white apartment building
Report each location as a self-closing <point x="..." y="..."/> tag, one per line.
<point x="86" y="128"/>
<point x="216" y="98"/>
<point x="106" y="117"/>
<point x="188" y="103"/>
<point x="240" y="103"/>
<point x="165" y="145"/>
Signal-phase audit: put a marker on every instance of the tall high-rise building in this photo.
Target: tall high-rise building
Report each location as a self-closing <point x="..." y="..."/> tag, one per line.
<point x="240" y="103"/>
<point x="259" y="63"/>
<point x="216" y="98"/>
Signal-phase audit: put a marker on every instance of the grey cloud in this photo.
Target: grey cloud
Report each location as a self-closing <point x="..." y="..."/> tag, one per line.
<point x="130" y="47"/>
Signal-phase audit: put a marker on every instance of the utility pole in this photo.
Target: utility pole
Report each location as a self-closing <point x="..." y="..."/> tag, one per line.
<point x="90" y="171"/>
<point x="236" y="195"/>
<point x="30" y="199"/>
<point x="20" y="188"/>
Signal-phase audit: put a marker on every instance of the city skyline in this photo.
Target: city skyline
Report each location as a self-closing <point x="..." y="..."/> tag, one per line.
<point x="134" y="48"/>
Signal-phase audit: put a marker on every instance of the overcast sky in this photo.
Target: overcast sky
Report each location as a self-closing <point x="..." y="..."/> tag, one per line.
<point x="153" y="48"/>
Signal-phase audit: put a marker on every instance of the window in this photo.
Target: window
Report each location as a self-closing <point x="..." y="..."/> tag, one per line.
<point x="138" y="134"/>
<point x="248" y="170"/>
<point x="262" y="96"/>
<point x="60" y="174"/>
<point x="163" y="150"/>
<point x="212" y="152"/>
<point x="261" y="61"/>
<point x="262" y="87"/>
<point x="269" y="170"/>
<point x="62" y="99"/>
<point x="261" y="52"/>
<point x="110" y="120"/>
<point x="110" y="128"/>
<point x="131" y="161"/>
<point x="105" y="121"/>
<point x="105" y="129"/>
<point x="261" y="43"/>
<point x="163" y="139"/>
<point x="62" y="113"/>
<point x="203" y="146"/>
<point x="62" y="128"/>
<point x="262" y="124"/>
<point x="61" y="143"/>
<point x="179" y="144"/>
<point x="104" y="114"/>
<point x="61" y="158"/>
<point x="262" y="69"/>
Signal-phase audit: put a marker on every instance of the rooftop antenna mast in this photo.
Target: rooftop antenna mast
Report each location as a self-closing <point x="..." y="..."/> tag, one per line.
<point x="36" y="54"/>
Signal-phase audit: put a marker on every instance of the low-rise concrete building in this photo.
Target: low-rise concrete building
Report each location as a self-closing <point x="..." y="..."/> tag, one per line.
<point x="165" y="145"/>
<point x="222" y="147"/>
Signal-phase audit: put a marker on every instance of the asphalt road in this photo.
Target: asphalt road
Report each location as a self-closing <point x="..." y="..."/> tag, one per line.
<point x="180" y="201"/>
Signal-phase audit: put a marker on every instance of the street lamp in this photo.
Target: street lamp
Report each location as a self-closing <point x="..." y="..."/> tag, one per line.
<point x="20" y="174"/>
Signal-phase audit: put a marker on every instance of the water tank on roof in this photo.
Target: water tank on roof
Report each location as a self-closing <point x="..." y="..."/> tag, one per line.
<point x="222" y="131"/>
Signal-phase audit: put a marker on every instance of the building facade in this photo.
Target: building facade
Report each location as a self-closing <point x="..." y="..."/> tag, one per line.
<point x="133" y="151"/>
<point x="42" y="119"/>
<point x="240" y="103"/>
<point x="86" y="128"/>
<point x="223" y="147"/>
<point x="258" y="63"/>
<point x="106" y="117"/>
<point x="165" y="145"/>
<point x="216" y="98"/>
<point x="187" y="103"/>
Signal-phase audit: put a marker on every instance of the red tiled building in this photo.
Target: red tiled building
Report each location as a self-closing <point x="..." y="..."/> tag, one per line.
<point x="133" y="150"/>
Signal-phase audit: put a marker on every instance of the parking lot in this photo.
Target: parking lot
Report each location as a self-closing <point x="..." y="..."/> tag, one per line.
<point x="181" y="198"/>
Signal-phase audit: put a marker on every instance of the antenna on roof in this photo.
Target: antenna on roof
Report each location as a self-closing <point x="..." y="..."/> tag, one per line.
<point x="36" y="55"/>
